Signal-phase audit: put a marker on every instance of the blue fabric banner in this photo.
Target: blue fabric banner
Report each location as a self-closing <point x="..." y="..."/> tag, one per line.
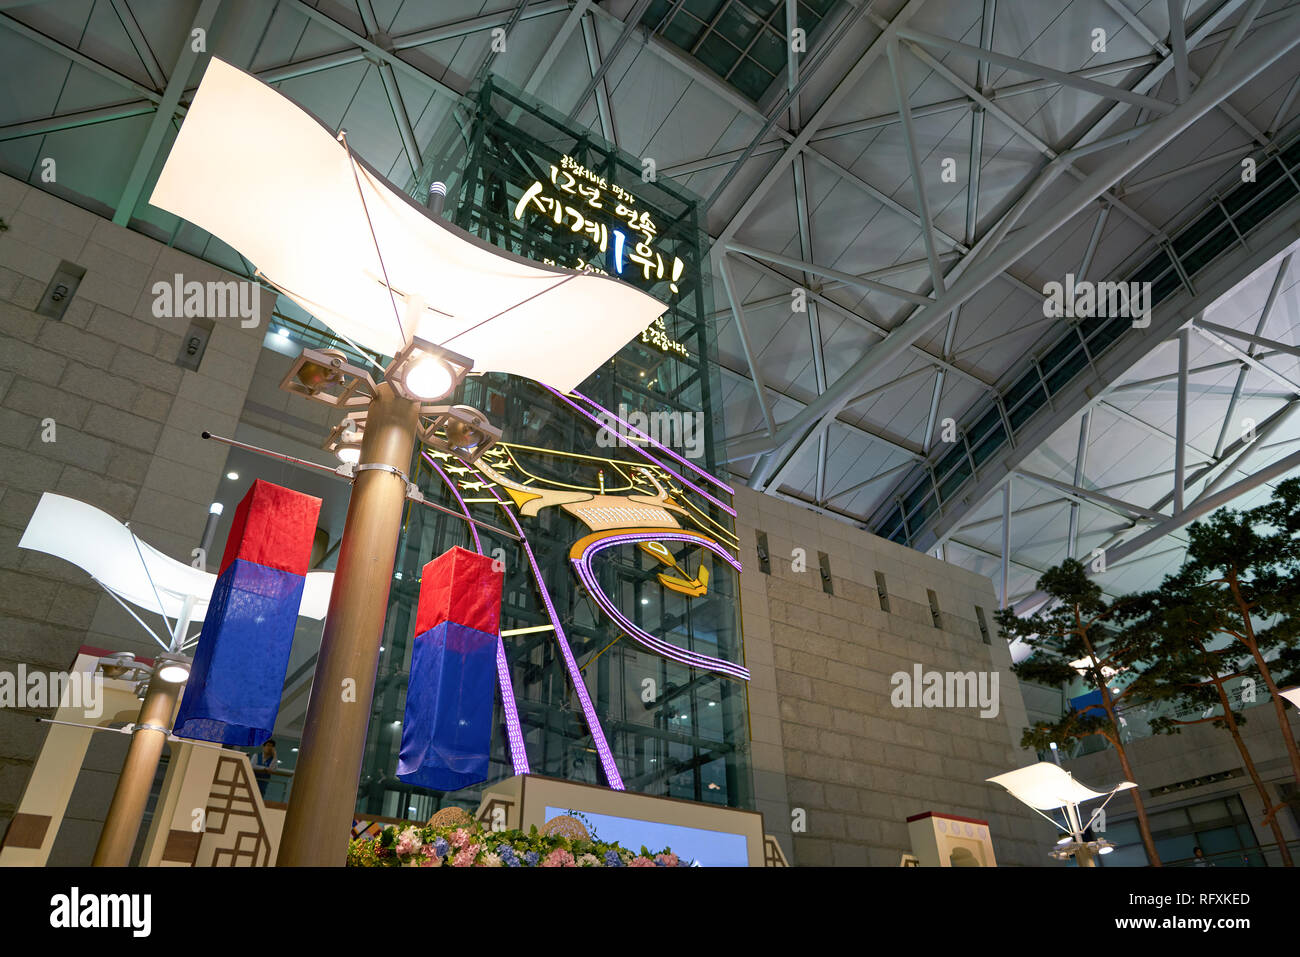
<point x="449" y="702"/>
<point x="237" y="677"/>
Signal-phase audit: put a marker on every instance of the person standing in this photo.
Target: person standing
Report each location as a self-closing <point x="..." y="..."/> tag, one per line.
<point x="264" y="764"/>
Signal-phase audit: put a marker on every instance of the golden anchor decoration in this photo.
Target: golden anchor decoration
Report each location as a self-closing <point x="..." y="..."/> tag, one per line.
<point x="691" y="587"/>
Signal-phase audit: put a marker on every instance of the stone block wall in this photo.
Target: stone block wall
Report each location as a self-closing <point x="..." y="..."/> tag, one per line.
<point x="827" y="739"/>
<point x="126" y="423"/>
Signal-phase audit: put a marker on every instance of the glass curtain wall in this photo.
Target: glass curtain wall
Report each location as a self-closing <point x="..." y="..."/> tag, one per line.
<point x="519" y="178"/>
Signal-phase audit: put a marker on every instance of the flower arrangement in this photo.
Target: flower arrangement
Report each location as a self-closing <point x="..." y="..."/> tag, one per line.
<point x="473" y="846"/>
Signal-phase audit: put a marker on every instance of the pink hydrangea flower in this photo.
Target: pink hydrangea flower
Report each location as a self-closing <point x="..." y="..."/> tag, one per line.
<point x="408" y="842"/>
<point x="640" y="861"/>
<point x="668" y="860"/>
<point x="459" y="838"/>
<point x="466" y="857"/>
<point x="559" y="858"/>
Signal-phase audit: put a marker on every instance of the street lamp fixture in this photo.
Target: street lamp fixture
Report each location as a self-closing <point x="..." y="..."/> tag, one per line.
<point x="389" y="278"/>
<point x="327" y="376"/>
<point x="1047" y="787"/>
<point x="465" y="432"/>
<point x="345" y="438"/>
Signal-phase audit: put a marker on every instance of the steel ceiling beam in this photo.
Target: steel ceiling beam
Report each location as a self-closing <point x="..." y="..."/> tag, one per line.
<point x="630" y="23"/>
<point x="1178" y="43"/>
<point x="1180" y="437"/>
<point x="1253" y="448"/>
<point x="1204" y="506"/>
<point x="138" y="41"/>
<point x="394" y="95"/>
<point x="1202" y="32"/>
<point x="823" y="113"/>
<point x="1264" y="313"/>
<point x="1077" y="493"/>
<point x="1255" y="340"/>
<point x="1110" y="368"/>
<point x="1257" y="54"/>
<point x="79" y="58"/>
<point x="848" y="279"/>
<point x="162" y="120"/>
<point x="371" y="49"/>
<point x="983" y="102"/>
<point x="553" y="50"/>
<point x="68" y="121"/>
<point x="872" y="325"/>
<point x="914" y="165"/>
<point x="1247" y="358"/>
<point x="746" y="344"/>
<point x="1103" y="90"/>
<point x="893" y="444"/>
<point x="591" y="45"/>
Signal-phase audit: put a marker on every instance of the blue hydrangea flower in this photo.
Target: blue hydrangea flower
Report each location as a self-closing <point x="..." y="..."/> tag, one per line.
<point x="531" y="858"/>
<point x="440" y="847"/>
<point x="507" y="855"/>
<point x="612" y="859"/>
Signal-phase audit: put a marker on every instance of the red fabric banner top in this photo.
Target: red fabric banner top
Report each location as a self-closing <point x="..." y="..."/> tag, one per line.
<point x="461" y="587"/>
<point x="273" y="526"/>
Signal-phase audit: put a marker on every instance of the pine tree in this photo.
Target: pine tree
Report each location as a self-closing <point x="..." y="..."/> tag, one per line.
<point x="1076" y="637"/>
<point x="1244" y="567"/>
<point x="1187" y="667"/>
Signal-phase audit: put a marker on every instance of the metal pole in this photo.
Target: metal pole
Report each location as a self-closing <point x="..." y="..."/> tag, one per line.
<point x="117" y="839"/>
<point x="1006" y="539"/>
<point x="321" y="806"/>
<point x="209" y="531"/>
<point x="1180" y="446"/>
<point x="1080" y="464"/>
<point x="1082" y="854"/>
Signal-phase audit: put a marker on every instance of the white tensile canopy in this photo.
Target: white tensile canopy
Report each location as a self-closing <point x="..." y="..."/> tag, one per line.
<point x="260" y="173"/>
<point x="111" y="554"/>
<point x="1046" y="786"/>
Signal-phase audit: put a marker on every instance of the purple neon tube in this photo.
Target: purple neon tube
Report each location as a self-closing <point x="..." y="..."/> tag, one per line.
<point x="582" y="565"/>
<point x="643" y="453"/>
<point x="514" y="732"/>
<point x="713" y="480"/>
<point x="579" y="686"/>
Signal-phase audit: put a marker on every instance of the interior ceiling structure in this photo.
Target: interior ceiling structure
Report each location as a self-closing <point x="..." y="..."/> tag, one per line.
<point x="912" y="179"/>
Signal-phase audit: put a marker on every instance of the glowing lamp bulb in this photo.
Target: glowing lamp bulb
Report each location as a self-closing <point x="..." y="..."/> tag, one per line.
<point x="350" y="454"/>
<point x="429" y="378"/>
<point x="173" y="672"/>
<point x="1106" y="849"/>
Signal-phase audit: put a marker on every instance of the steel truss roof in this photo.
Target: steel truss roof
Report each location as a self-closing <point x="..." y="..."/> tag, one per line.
<point x="913" y="180"/>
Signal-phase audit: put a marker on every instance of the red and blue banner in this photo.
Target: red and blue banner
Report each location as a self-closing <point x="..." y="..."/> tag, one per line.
<point x="451" y="691"/>
<point x="235" y="683"/>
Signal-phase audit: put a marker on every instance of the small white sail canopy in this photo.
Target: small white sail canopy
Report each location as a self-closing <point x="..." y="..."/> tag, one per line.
<point x="1046" y="787"/>
<point x="106" y="550"/>
<point x="257" y="171"/>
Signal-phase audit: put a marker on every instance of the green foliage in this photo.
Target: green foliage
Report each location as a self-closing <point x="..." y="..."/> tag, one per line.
<point x="1077" y="624"/>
